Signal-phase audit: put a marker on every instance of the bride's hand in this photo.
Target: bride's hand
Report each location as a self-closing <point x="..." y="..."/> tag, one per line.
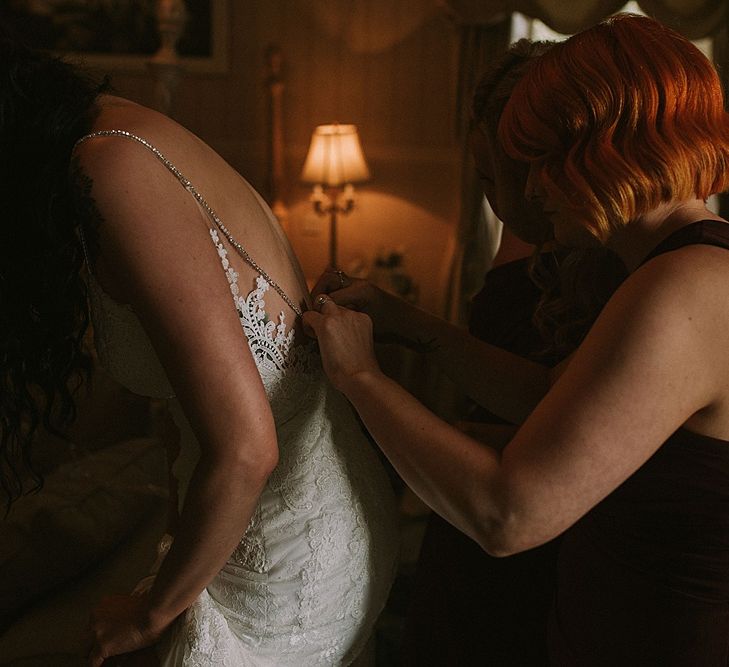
<point x="120" y="624"/>
<point x="345" y="340"/>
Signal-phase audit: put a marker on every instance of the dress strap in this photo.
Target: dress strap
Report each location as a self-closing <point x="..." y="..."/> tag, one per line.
<point x="704" y="232"/>
<point x="203" y="204"/>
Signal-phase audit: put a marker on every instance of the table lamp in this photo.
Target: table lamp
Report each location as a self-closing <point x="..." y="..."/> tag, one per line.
<point x="335" y="161"/>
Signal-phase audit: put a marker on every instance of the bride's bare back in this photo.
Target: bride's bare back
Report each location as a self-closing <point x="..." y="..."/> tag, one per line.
<point x="221" y="185"/>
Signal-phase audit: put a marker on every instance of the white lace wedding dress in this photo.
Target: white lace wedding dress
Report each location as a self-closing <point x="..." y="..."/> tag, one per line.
<point x="313" y="570"/>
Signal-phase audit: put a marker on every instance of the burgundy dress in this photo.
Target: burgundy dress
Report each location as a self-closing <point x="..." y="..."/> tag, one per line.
<point x="466" y="607"/>
<point x="643" y="578"/>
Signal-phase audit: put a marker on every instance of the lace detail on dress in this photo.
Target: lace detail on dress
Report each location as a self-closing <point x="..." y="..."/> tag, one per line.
<point x="270" y="343"/>
<point x="123" y="347"/>
<point x="251" y="551"/>
<point x="206" y="635"/>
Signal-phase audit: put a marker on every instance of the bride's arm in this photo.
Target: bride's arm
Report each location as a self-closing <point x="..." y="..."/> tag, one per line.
<point x="515" y="384"/>
<point x="156" y="248"/>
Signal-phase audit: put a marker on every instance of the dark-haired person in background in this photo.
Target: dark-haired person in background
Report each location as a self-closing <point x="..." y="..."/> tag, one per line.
<point x="466" y="606"/>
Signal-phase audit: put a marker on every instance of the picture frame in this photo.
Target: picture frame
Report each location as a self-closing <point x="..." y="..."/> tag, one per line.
<point x="121" y="35"/>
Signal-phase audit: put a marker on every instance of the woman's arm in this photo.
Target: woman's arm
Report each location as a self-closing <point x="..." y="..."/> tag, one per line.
<point x="515" y="384"/>
<point x="156" y="249"/>
<point x="653" y="360"/>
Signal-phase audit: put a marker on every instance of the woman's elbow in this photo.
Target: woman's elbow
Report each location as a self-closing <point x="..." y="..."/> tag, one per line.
<point x="270" y="459"/>
<point x="265" y="458"/>
<point x="255" y="459"/>
<point x="499" y="549"/>
<point x="506" y="537"/>
<point x="498" y="545"/>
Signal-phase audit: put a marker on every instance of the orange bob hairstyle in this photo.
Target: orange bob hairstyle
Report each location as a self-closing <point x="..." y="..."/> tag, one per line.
<point x="619" y="118"/>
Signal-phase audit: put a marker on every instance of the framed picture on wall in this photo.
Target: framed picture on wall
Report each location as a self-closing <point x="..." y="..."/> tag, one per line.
<point x="120" y="34"/>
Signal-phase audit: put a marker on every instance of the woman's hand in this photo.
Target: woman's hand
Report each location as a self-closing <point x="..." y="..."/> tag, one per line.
<point x="121" y="624"/>
<point x="356" y="294"/>
<point x="345" y="341"/>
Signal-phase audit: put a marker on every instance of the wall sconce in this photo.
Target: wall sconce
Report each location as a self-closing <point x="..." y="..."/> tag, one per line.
<point x="335" y="161"/>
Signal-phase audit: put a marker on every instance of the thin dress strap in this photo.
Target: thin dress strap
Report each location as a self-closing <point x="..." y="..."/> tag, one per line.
<point x="701" y="232"/>
<point x="203" y="204"/>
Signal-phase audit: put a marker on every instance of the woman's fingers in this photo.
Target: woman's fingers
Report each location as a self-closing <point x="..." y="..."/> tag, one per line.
<point x="117" y="627"/>
<point x="99" y="650"/>
<point x="330" y="281"/>
<point x="352" y="293"/>
<point x="96" y="657"/>
<point x="325" y="303"/>
<point x="325" y="284"/>
<point x="345" y="340"/>
<point x="312" y="318"/>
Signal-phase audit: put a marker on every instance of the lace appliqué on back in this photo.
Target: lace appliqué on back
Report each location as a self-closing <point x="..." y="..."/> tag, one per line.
<point x="271" y="345"/>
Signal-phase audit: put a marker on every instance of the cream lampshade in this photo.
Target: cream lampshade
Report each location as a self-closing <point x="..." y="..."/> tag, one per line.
<point x="335" y="161"/>
<point x="335" y="157"/>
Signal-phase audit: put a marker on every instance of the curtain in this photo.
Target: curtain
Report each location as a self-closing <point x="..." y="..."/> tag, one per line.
<point x="693" y="18"/>
<point x="478" y="232"/>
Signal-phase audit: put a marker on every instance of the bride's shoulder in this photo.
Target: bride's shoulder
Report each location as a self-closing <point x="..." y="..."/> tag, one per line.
<point x="124" y="136"/>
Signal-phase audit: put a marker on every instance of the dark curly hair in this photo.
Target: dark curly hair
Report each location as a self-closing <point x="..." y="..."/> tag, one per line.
<point x="45" y="106"/>
<point x="575" y="284"/>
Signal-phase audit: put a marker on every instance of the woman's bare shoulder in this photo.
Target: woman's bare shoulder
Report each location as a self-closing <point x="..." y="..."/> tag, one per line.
<point x="115" y="154"/>
<point x="115" y="161"/>
<point x="693" y="274"/>
<point x="671" y="312"/>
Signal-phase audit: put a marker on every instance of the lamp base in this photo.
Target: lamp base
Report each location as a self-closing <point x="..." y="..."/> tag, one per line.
<point x="333" y="203"/>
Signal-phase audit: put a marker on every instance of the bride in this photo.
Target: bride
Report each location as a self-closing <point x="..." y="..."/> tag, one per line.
<point x="285" y="546"/>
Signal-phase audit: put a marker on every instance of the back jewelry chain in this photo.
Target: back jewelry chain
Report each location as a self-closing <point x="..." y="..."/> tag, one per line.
<point x="206" y="207"/>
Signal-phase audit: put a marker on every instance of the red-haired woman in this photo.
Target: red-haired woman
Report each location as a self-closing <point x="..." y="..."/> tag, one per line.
<point x="627" y="449"/>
